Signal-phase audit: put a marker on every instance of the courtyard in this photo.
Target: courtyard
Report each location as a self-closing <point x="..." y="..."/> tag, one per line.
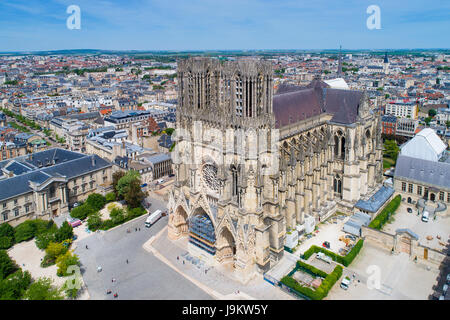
<point x="331" y="231"/>
<point x="29" y="258"/>
<point x="400" y="277"/>
<point x="438" y="229"/>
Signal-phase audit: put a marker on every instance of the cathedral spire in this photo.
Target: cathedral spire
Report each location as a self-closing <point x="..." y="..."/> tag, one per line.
<point x="339" y="71"/>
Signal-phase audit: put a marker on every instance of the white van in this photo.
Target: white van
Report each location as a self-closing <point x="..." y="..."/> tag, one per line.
<point x="425" y="216"/>
<point x="153" y="218"/>
<point x="345" y="283"/>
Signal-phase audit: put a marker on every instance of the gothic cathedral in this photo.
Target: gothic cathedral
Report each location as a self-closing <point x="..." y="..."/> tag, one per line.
<point x="252" y="165"/>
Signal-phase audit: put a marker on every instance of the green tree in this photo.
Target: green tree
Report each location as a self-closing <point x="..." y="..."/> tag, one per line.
<point x="96" y="201"/>
<point x="64" y="261"/>
<point x="110" y="197"/>
<point x="447" y="123"/>
<point x="43" y="289"/>
<point x="117" y="216"/>
<point x="43" y="240"/>
<point x="6" y="230"/>
<point x="25" y="231"/>
<point x="94" y="221"/>
<point x="70" y="289"/>
<point x="124" y="182"/>
<point x="116" y="177"/>
<point x="432" y="112"/>
<point x="7" y="265"/>
<point x="6" y="242"/>
<point x="64" y="232"/>
<point x="55" y="249"/>
<point x="391" y="149"/>
<point x="81" y="212"/>
<point x="427" y="120"/>
<point x="14" y="286"/>
<point x="134" y="194"/>
<point x="135" y="212"/>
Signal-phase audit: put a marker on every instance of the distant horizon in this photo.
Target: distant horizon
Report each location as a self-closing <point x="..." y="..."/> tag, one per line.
<point x="201" y="25"/>
<point x="332" y="50"/>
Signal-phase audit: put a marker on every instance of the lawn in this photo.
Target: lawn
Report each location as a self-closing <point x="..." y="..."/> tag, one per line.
<point x="388" y="163"/>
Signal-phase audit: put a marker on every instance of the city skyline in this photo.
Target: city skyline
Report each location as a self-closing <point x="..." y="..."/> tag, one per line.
<point x="201" y="25"/>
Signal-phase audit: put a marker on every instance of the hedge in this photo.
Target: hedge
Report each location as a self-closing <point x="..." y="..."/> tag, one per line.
<point x="311" y="269"/>
<point x="383" y="217"/>
<point x="322" y="291"/>
<point x="345" y="260"/>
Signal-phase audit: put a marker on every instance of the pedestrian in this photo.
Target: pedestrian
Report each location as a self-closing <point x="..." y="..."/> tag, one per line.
<point x="127" y="261"/>
<point x="178" y="258"/>
<point x="135" y="229"/>
<point x="115" y="295"/>
<point x="139" y="229"/>
<point x="87" y="247"/>
<point x="183" y="261"/>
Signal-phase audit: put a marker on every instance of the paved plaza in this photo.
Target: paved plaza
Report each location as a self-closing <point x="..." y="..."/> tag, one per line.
<point x="144" y="277"/>
<point x="401" y="278"/>
<point x="217" y="279"/>
<point x="435" y="228"/>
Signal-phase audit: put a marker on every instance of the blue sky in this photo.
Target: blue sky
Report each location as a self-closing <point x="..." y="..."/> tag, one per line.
<point x="28" y="25"/>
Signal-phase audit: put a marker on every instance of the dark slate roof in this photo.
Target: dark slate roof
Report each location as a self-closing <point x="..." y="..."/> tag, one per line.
<point x="294" y="106"/>
<point x="20" y="184"/>
<point x="18" y="168"/>
<point x="435" y="173"/>
<point x="376" y="201"/>
<point x="343" y="104"/>
<point x="47" y="156"/>
<point x="69" y="164"/>
<point x="294" y="103"/>
<point x="77" y="167"/>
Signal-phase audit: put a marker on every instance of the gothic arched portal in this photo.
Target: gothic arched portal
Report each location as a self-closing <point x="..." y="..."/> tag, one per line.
<point x="226" y="246"/>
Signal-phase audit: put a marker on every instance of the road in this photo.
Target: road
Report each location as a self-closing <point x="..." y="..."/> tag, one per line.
<point x="144" y="277"/>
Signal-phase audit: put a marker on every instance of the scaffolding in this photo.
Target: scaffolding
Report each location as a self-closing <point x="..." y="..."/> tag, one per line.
<point x="201" y="233"/>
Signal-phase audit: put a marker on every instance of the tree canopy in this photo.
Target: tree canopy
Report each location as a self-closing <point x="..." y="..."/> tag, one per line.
<point x="43" y="289"/>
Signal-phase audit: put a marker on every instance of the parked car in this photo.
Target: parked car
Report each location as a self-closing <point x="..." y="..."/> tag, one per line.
<point x="74" y="222"/>
<point x="345" y="283"/>
<point x="326" y="244"/>
<point x="351" y="237"/>
<point x="425" y="216"/>
<point x="409" y="210"/>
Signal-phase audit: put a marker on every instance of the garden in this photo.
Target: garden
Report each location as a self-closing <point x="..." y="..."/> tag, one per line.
<point x="344" y="260"/>
<point x="309" y="282"/>
<point x="106" y="212"/>
<point x="18" y="284"/>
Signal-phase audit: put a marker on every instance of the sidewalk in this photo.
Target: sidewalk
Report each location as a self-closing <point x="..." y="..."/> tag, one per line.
<point x="226" y="288"/>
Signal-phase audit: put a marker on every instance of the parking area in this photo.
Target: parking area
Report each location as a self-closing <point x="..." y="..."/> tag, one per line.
<point x="400" y="277"/>
<point x="434" y="234"/>
<point x="330" y="231"/>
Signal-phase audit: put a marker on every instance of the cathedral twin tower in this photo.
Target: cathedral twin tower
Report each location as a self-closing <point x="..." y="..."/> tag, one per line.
<point x="251" y="165"/>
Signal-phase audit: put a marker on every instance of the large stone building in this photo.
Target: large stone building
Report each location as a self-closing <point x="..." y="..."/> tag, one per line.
<point x="259" y="164"/>
<point x="45" y="184"/>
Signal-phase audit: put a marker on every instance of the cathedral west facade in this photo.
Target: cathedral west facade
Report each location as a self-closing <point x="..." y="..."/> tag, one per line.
<point x="251" y="165"/>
